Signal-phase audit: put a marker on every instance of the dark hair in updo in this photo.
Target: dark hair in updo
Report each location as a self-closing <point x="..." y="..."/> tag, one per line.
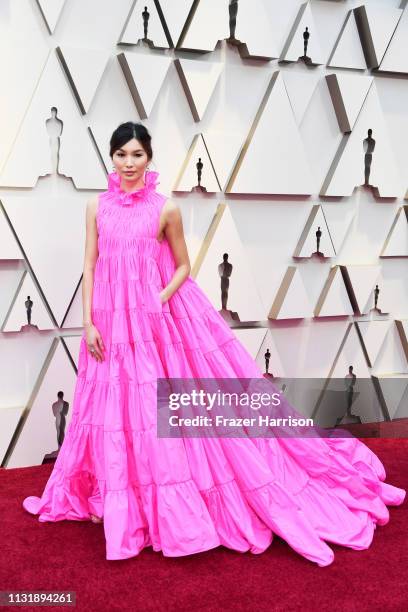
<point x="127" y="131"/>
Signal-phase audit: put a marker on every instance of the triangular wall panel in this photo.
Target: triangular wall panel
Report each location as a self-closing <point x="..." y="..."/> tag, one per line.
<point x="133" y="30"/>
<point x="361" y="281"/>
<point x="73" y="344"/>
<point x="174" y="16"/>
<point x="51" y="11"/>
<point x="73" y="317"/>
<point x="307" y="244"/>
<point x="38" y="227"/>
<point x="274" y="130"/>
<point x="396" y="244"/>
<point x="396" y="57"/>
<point x="188" y="177"/>
<point x="402" y="327"/>
<point x="208" y="25"/>
<point x="38" y="436"/>
<point x="275" y="364"/>
<point x="9" y="248"/>
<point x="300" y="86"/>
<point x="348" y="93"/>
<point x="85" y="169"/>
<point x="294" y="48"/>
<point x="251" y="339"/>
<point x="376" y="24"/>
<point x="11" y="280"/>
<point x="347" y="169"/>
<point x="145" y="75"/>
<point x="243" y="296"/>
<point x="84" y="69"/>
<point x="372" y="335"/>
<point x="255" y="30"/>
<point x="291" y="300"/>
<point x="365" y="404"/>
<point x="18" y="314"/>
<point x="348" y="52"/>
<point x="338" y="221"/>
<point x="9" y="418"/>
<point x="393" y="391"/>
<point x="333" y="300"/>
<point x="199" y="80"/>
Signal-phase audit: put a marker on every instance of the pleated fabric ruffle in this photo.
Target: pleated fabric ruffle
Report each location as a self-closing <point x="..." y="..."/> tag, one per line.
<point x="186" y="495"/>
<point x="183" y="496"/>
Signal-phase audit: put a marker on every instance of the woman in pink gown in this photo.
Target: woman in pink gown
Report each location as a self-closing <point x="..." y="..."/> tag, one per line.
<point x="145" y="318"/>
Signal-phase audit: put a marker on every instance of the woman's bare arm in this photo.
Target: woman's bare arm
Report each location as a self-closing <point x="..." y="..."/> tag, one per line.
<point x="172" y="226"/>
<point x="91" y="255"/>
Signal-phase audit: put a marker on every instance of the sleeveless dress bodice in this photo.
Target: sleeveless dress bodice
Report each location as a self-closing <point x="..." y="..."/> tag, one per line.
<point x="128" y="220"/>
<point x="128" y="248"/>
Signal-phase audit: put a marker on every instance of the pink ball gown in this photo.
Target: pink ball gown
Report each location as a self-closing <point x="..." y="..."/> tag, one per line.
<point x="182" y="496"/>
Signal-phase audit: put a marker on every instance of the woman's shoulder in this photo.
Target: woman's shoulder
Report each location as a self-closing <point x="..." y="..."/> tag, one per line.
<point x="92" y="202"/>
<point x="168" y="205"/>
<point x="92" y="205"/>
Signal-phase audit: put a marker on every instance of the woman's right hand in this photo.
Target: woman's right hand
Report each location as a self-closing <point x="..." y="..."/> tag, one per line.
<point x="94" y="342"/>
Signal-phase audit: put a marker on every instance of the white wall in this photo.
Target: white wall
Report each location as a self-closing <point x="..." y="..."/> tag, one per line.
<point x="266" y="213"/>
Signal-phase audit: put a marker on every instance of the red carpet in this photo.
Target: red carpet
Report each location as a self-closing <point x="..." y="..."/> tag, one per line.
<point x="71" y="556"/>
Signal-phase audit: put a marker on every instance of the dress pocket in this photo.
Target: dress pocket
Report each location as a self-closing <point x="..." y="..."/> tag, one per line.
<point x="164" y="306"/>
<point x="157" y="303"/>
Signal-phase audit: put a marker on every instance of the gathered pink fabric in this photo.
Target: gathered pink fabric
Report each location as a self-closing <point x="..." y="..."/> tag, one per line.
<point x="186" y="495"/>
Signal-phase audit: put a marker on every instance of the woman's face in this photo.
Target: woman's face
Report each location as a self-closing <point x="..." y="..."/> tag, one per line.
<point x="131" y="160"/>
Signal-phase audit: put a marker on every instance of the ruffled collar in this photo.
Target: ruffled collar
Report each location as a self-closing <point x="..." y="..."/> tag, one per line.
<point x="127" y="198"/>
